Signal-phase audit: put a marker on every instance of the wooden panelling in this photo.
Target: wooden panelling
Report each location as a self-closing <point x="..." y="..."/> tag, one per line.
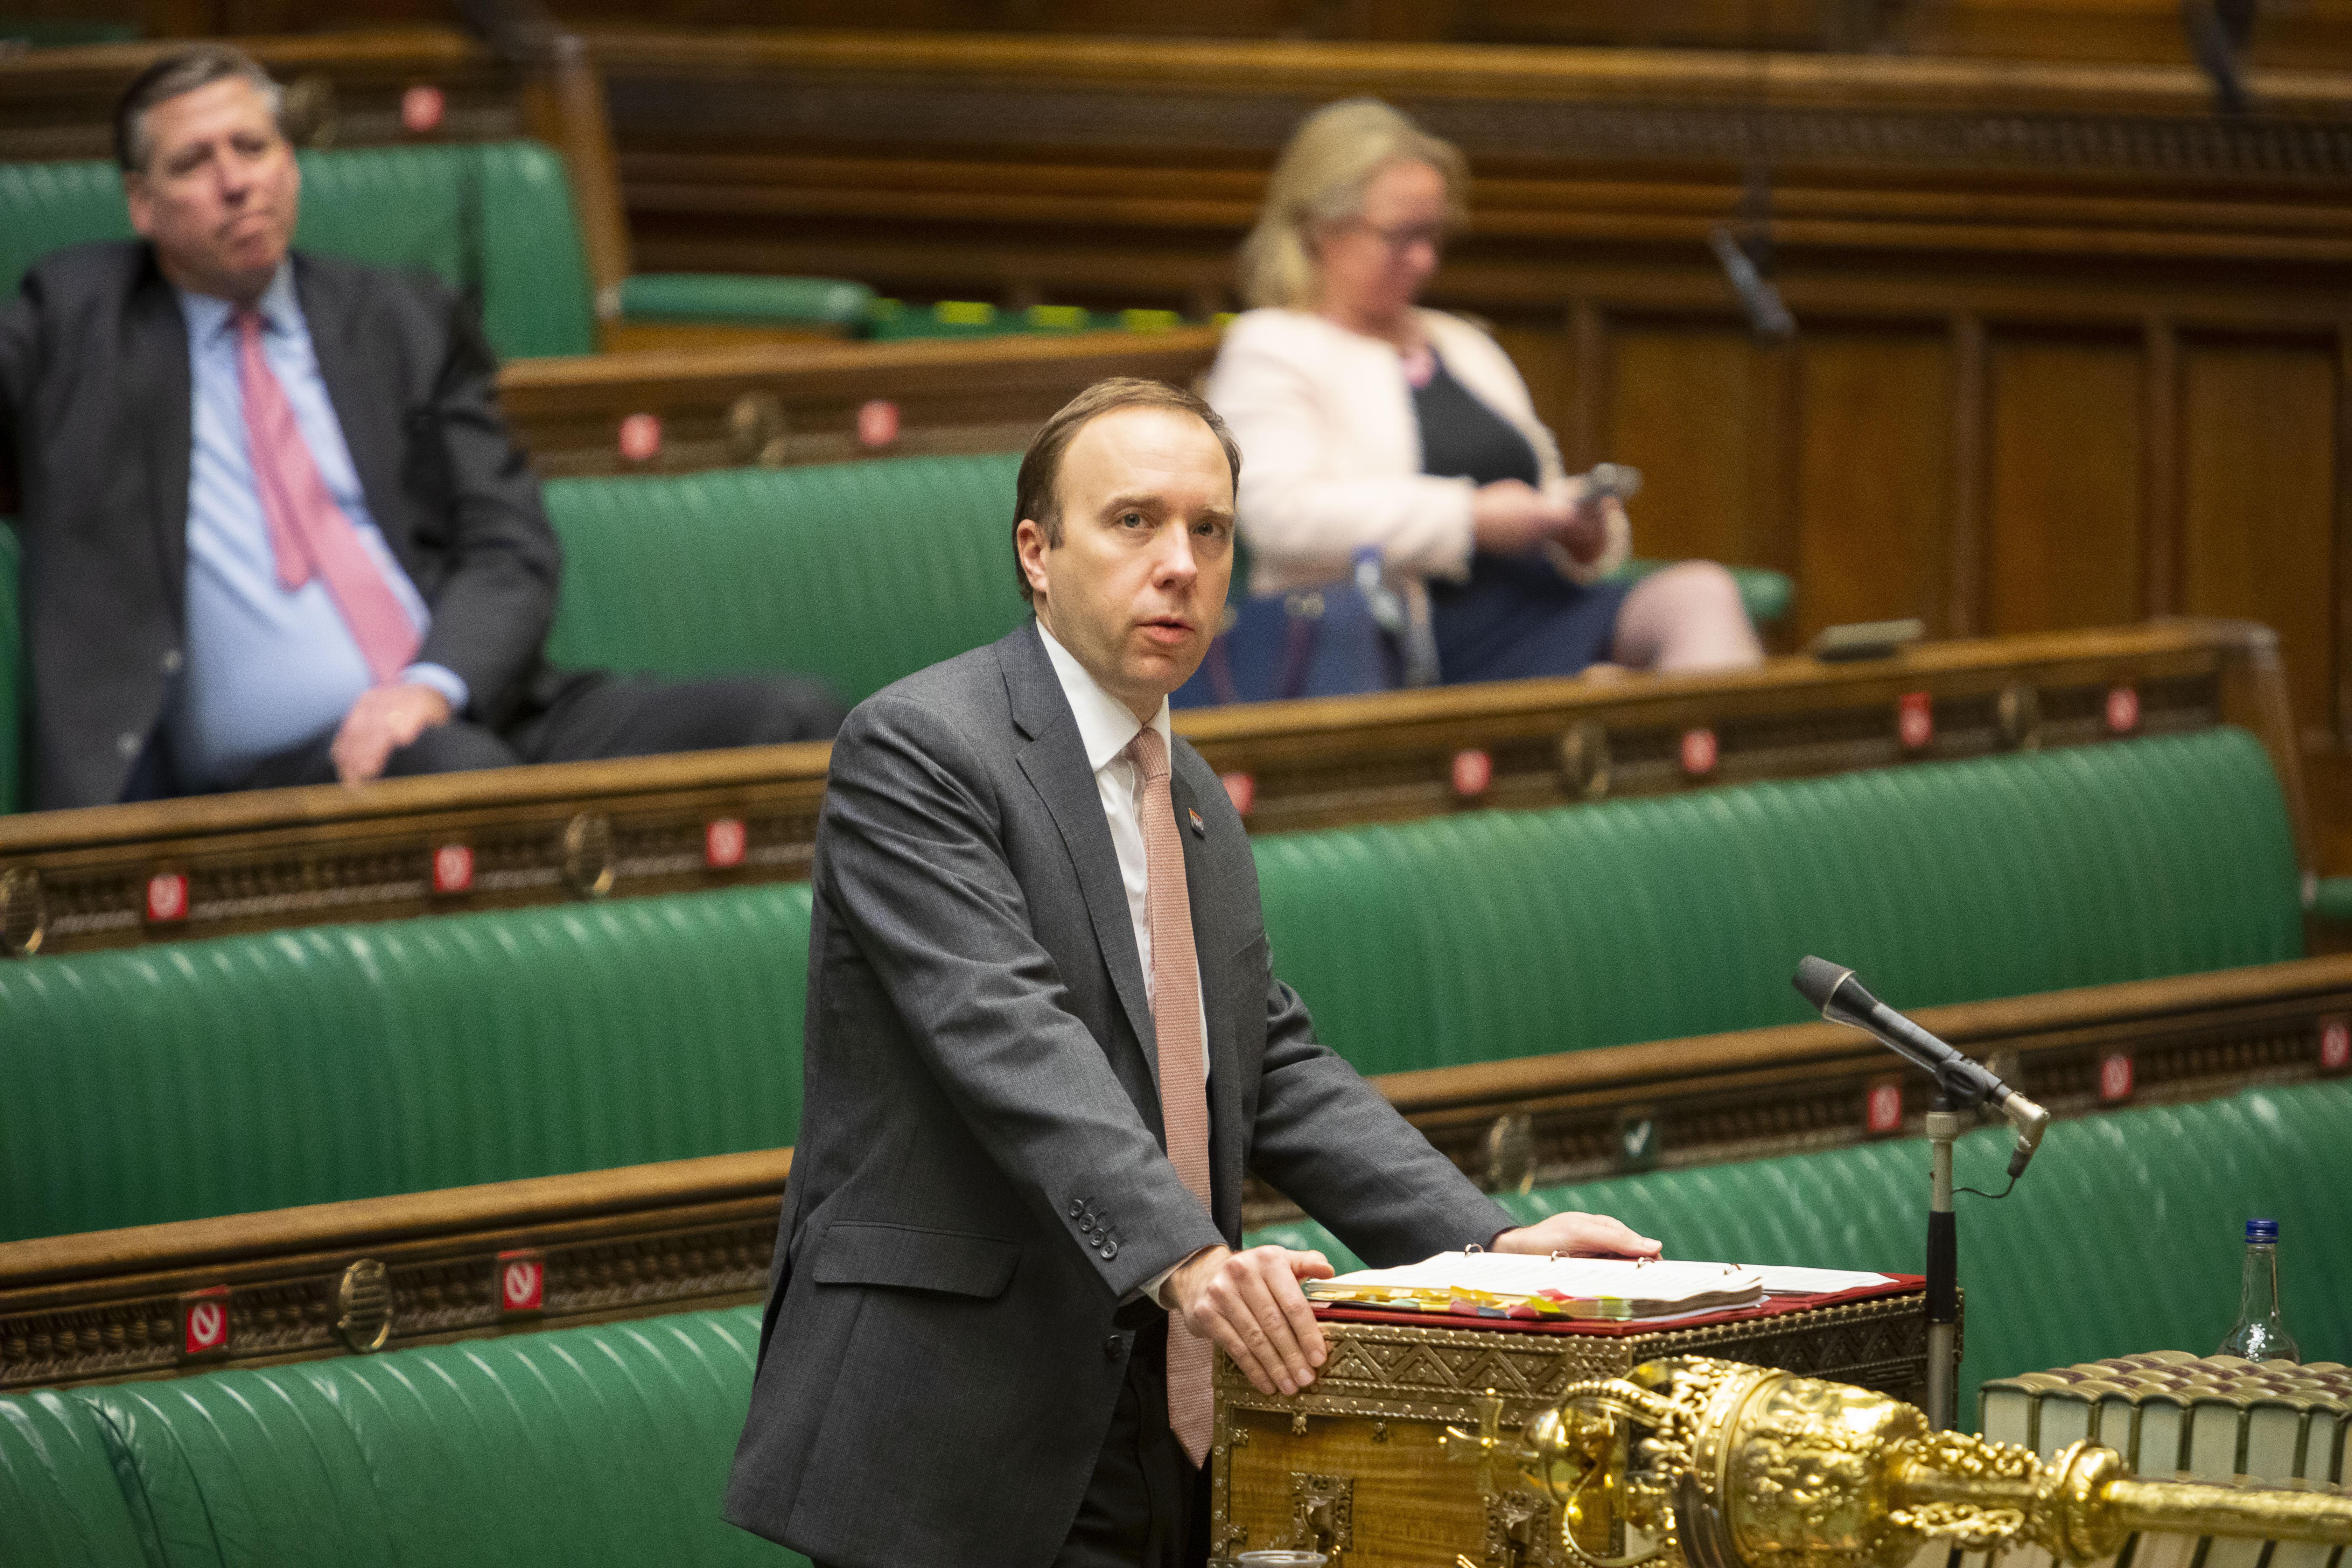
<point x="2258" y="428"/>
<point x="1700" y="411"/>
<point x="2064" y="521"/>
<point x="1875" y="429"/>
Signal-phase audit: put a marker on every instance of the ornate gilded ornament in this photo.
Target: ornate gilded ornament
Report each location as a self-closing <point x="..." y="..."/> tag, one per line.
<point x="363" y="1306"/>
<point x="24" y="912"/>
<point x="1584" y="760"/>
<point x="588" y="854"/>
<point x="757" y="430"/>
<point x="2019" y="714"/>
<point x="1718" y="1465"/>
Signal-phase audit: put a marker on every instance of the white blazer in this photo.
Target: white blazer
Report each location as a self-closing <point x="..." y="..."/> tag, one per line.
<point x="1331" y="449"/>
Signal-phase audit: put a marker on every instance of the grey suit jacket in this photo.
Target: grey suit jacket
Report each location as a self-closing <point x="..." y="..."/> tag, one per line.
<point x="980" y="1182"/>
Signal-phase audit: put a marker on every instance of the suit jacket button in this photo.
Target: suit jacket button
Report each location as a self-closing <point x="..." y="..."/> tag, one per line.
<point x="171" y="662"/>
<point x="126" y="746"/>
<point x="1077" y="1207"/>
<point x="1109" y="1250"/>
<point x="1113" y="1346"/>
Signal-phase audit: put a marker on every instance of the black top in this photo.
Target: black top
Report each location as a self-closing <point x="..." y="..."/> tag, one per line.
<point x="1462" y="439"/>
<point x="1515" y="615"/>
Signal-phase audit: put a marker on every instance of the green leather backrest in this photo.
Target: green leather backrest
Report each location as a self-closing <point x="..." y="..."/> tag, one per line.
<point x="12" y="673"/>
<point x="857" y="573"/>
<point x="243" y="1073"/>
<point x="60" y="1505"/>
<point x="2126" y="1233"/>
<point x="1498" y="935"/>
<point x="497" y="214"/>
<point x="607" y="1445"/>
<point x="302" y="1067"/>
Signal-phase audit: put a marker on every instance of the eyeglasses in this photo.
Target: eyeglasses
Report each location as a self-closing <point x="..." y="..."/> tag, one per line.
<point x="1404" y="236"/>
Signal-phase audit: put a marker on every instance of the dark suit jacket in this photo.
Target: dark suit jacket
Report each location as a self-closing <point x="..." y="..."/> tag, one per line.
<point x="980" y="1182"/>
<point x="95" y="409"/>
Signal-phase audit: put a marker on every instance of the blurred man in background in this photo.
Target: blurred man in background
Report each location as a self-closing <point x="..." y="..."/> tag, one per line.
<point x="274" y="529"/>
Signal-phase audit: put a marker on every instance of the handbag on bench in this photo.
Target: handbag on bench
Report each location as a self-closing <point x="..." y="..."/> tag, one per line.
<point x="1355" y="635"/>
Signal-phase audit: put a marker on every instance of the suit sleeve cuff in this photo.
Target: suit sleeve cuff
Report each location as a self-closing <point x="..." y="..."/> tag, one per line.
<point x="441" y="679"/>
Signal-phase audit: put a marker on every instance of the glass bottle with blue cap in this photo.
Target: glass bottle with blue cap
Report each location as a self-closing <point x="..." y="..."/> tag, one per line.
<point x="2260" y="1333"/>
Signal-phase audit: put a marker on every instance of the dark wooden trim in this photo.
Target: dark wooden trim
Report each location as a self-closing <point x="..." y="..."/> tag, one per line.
<point x="270" y="860"/>
<point x="660" y="1237"/>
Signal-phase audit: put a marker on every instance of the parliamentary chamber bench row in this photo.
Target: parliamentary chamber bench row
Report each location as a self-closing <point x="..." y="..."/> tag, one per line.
<point x="341" y="1135"/>
<point x="609" y="1442"/>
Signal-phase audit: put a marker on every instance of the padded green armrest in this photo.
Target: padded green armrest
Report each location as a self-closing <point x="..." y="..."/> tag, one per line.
<point x="1767" y="595"/>
<point x="2331" y="899"/>
<point x="744" y="298"/>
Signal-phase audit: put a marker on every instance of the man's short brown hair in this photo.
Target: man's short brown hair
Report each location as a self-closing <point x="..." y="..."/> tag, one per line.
<point x="1035" y="494"/>
<point x="182" y="71"/>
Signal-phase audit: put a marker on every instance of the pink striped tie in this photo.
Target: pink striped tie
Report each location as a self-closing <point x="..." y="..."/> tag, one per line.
<point x="1183" y="1069"/>
<point x="308" y="532"/>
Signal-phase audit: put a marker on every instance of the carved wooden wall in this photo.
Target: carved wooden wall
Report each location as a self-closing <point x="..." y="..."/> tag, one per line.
<point x="2072" y="347"/>
<point x="2286" y="32"/>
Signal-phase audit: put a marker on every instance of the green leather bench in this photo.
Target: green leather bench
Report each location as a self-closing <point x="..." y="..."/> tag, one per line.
<point x="860" y="573"/>
<point x="499" y="215"/>
<point x="243" y="1073"/>
<point x="607" y="1445"/>
<point x="2126" y="1233"/>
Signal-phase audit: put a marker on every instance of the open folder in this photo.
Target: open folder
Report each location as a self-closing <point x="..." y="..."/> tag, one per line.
<point x="1513" y="1285"/>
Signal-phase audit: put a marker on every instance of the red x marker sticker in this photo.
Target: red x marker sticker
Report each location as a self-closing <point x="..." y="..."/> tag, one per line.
<point x="421" y="109"/>
<point x="167" y="896"/>
<point x="1699" y="753"/>
<point x="1474" y="770"/>
<point x="641" y="438"/>
<point x="2123" y="708"/>
<point x="877" y="422"/>
<point x="1915" y="720"/>
<point x="1882" y="1109"/>
<point x="523" y="1282"/>
<point x="724" y="842"/>
<point x="204" y="1322"/>
<point x="1241" y="789"/>
<point x="2114" y="1076"/>
<point x="2335" y="1046"/>
<point x="452" y="868"/>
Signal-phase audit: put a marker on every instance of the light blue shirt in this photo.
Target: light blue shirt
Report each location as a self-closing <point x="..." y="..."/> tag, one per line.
<point x="267" y="669"/>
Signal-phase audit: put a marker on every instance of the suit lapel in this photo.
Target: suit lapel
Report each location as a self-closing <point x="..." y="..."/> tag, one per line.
<point x="1211" y="944"/>
<point x="1056" y="762"/>
<point x="370" y="425"/>
<point x="167" y="402"/>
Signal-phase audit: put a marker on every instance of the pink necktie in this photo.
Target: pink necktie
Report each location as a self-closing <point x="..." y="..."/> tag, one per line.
<point x="1183" y="1071"/>
<point x="308" y="532"/>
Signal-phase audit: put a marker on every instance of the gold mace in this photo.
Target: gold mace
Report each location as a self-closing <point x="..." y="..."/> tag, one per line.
<point x="1717" y="1465"/>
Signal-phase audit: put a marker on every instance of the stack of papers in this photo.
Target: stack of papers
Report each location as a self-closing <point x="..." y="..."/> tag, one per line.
<point x="1511" y="1285"/>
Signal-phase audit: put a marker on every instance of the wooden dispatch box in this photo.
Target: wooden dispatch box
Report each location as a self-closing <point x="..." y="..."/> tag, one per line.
<point x="1356" y="1466"/>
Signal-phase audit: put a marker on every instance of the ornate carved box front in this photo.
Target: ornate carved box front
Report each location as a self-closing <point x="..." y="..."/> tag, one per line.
<point x="1380" y="1463"/>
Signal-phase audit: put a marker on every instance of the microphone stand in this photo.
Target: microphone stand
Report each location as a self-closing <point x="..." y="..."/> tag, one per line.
<point x="1943" y="1125"/>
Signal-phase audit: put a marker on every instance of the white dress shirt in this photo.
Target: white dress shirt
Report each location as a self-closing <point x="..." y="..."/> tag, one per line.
<point x="1105" y="728"/>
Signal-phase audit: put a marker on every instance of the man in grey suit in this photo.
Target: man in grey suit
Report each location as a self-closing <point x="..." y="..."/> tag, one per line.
<point x="1045" y="1041"/>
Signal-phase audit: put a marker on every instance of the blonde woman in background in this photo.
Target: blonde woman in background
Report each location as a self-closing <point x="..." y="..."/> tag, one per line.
<point x="1368" y="421"/>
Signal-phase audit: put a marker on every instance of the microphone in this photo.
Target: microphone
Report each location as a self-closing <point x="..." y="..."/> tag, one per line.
<point x="1842" y="998"/>
<point x="1768" y="317"/>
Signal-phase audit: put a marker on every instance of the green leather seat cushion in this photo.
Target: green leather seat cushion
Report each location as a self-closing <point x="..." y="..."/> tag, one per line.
<point x="60" y="1505"/>
<point x="605" y="1445"/>
<point x="2124" y="1234"/>
<point x="257" y="1072"/>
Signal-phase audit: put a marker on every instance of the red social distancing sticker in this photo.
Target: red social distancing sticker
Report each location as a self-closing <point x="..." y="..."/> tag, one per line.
<point x="167" y="896"/>
<point x="1474" y="770"/>
<point x="2115" y="1076"/>
<point x="522" y="1281"/>
<point x="452" y="868"/>
<point x="422" y="108"/>
<point x="1241" y="789"/>
<point x="641" y="438"/>
<point x="1698" y="751"/>
<point x="2123" y="708"/>
<point x="204" y="1321"/>
<point x="2335" y="1046"/>
<point x="1883" y="1108"/>
<point x="724" y="842"/>
<point x="1915" y="720"/>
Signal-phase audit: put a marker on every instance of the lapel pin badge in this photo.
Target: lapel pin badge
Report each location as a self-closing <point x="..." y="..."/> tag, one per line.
<point x="1199" y="828"/>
